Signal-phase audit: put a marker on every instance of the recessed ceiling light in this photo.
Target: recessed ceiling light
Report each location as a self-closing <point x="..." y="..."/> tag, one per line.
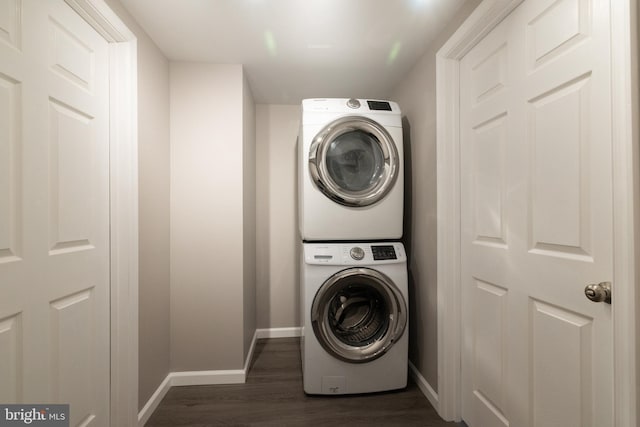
<point x="393" y="53"/>
<point x="270" y="43"/>
<point x="418" y="4"/>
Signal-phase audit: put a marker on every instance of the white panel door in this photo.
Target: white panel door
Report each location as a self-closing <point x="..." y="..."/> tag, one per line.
<point x="537" y="218"/>
<point x="54" y="210"/>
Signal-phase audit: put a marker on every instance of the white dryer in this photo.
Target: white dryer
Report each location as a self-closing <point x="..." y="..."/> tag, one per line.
<point x="350" y="170"/>
<point x="354" y="302"/>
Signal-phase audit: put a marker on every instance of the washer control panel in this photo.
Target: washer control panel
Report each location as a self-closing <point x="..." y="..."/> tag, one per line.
<point x="356" y="253"/>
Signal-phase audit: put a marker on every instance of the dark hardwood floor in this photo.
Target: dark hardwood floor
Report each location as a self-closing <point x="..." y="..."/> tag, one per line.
<point x="273" y="396"/>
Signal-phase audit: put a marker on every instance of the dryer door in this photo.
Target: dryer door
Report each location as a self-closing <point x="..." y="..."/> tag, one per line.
<point x="354" y="161"/>
<point x="358" y="314"/>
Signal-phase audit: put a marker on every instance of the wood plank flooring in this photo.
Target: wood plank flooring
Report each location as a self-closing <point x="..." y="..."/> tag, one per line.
<point x="273" y="396"/>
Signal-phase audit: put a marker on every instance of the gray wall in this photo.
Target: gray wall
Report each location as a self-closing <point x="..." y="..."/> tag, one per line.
<point x="417" y="98"/>
<point x="635" y="64"/>
<point x="153" y="151"/>
<point x="276" y="204"/>
<point x="208" y="155"/>
<point x="249" y="214"/>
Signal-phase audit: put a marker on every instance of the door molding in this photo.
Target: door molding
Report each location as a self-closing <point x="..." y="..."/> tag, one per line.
<point x="626" y="168"/>
<point x="123" y="111"/>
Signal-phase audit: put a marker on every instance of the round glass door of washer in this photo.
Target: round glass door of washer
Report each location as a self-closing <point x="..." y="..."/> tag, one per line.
<point x="354" y="161"/>
<point x="358" y="314"/>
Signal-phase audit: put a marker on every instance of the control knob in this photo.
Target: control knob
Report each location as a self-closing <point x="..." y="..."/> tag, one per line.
<point x="357" y="253"/>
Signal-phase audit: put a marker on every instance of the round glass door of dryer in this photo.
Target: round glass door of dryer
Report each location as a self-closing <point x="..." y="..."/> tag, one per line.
<point x="354" y="161"/>
<point x="358" y="314"/>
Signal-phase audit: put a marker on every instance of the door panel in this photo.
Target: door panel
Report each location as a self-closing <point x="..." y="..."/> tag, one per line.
<point x="72" y="344"/>
<point x="537" y="218"/>
<point x="10" y="354"/>
<point x="489" y="183"/>
<point x="560" y="223"/>
<point x="490" y="75"/>
<point x="54" y="206"/>
<point x="70" y="57"/>
<point x="555" y="27"/>
<point x="10" y="22"/>
<point x="10" y="235"/>
<point x="561" y="343"/>
<point x="490" y="352"/>
<point x="71" y="155"/>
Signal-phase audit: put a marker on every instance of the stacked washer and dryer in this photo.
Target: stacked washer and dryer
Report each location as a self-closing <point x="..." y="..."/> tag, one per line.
<point x="353" y="275"/>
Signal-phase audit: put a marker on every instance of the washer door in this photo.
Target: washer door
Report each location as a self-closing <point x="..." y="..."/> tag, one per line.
<point x="354" y="161"/>
<point x="358" y="314"/>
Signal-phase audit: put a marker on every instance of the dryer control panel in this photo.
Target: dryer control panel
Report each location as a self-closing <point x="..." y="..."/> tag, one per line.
<point x="379" y="106"/>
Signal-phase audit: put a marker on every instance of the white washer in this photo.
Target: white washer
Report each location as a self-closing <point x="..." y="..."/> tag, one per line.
<point x="350" y="170"/>
<point x="354" y="303"/>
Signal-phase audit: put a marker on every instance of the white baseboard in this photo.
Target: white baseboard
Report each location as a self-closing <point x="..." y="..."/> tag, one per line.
<point x="424" y="387"/>
<point x="154" y="401"/>
<point x="177" y="379"/>
<point x="231" y="376"/>
<point x="252" y="347"/>
<point x="292" y="332"/>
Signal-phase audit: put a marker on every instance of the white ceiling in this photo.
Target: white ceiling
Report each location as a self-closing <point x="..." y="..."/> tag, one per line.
<point x="296" y="49"/>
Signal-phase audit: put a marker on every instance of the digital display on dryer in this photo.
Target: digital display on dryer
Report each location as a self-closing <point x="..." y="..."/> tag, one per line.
<point x="379" y="105"/>
<point x="381" y="253"/>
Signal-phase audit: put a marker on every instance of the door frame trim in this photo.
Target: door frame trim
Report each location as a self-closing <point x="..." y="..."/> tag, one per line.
<point x="123" y="169"/>
<point x="626" y="213"/>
